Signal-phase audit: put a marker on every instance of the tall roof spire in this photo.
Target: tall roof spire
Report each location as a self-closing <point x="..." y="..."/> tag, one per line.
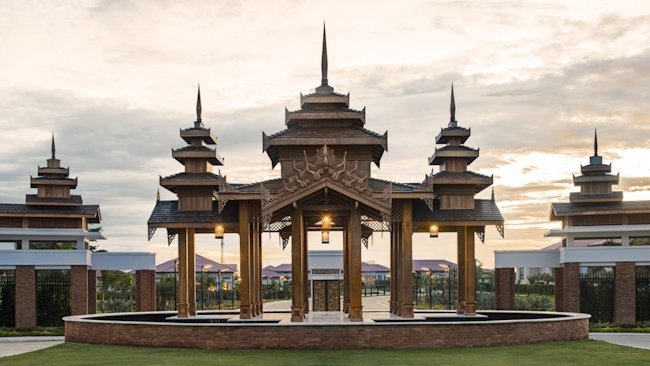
<point x="198" y="106"/>
<point x="158" y="195"/>
<point x="595" y="142"/>
<point x="323" y="62"/>
<point x="53" y="147"/>
<point x="452" y="105"/>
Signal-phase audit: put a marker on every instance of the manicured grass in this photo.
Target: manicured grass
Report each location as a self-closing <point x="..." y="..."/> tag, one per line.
<point x="31" y="332"/>
<point x="586" y="352"/>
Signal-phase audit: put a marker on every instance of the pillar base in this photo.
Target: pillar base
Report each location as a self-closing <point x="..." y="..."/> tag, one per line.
<point x="297" y="314"/>
<point x="470" y="309"/>
<point x="460" y="308"/>
<point x="245" y="312"/>
<point x="356" y="313"/>
<point x="407" y="311"/>
<point x="192" y="309"/>
<point x="183" y="310"/>
<point x="346" y="307"/>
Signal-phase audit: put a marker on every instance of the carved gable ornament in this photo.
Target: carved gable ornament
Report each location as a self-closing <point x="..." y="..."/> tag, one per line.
<point x="325" y="165"/>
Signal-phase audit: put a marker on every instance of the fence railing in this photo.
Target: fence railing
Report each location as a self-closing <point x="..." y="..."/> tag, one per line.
<point x="52" y="297"/>
<point x="642" y="295"/>
<point x="597" y="296"/>
<point x="7" y="298"/>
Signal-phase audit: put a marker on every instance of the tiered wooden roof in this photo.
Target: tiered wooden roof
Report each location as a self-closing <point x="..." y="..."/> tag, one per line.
<point x="454" y="186"/>
<point x="53" y="198"/>
<point x="597" y="203"/>
<point x="196" y="186"/>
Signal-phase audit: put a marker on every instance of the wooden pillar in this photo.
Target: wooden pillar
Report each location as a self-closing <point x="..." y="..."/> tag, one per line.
<point x="258" y="238"/>
<point x="245" y="307"/>
<point x="356" y="309"/>
<point x="625" y="292"/>
<point x="393" y="272"/>
<point x="406" y="258"/>
<point x="191" y="275"/>
<point x="460" y="270"/>
<point x="92" y="291"/>
<point x="25" y="301"/>
<point x="571" y="287"/>
<point x="346" y="269"/>
<point x="183" y="274"/>
<point x="254" y="281"/>
<point x="470" y="272"/>
<point x="559" y="288"/>
<point x="505" y="288"/>
<point x="397" y="238"/>
<point x="297" y="296"/>
<point x="305" y="269"/>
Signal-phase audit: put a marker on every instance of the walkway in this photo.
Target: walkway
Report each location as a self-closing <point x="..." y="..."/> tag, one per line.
<point x="10" y="346"/>
<point x="637" y="340"/>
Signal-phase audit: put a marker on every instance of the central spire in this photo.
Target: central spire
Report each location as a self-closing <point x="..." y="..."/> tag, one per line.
<point x="53" y="148"/>
<point x="198" y="108"/>
<point x="323" y="62"/>
<point x="452" y="108"/>
<point x="595" y="142"/>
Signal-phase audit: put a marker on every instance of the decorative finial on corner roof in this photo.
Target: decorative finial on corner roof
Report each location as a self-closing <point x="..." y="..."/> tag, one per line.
<point x="492" y="197"/>
<point x="452" y="105"/>
<point x="323" y="63"/>
<point x="158" y="195"/>
<point x="198" y="105"/>
<point x="595" y="142"/>
<point x="53" y="148"/>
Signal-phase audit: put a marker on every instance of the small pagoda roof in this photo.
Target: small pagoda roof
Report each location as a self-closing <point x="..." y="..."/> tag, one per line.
<point x="208" y="179"/>
<point x="597" y="197"/>
<point x="453" y="132"/>
<point x="90" y="212"/>
<point x="59" y="181"/>
<point x="462" y="178"/>
<point x="73" y="200"/>
<point x="485" y="212"/>
<point x="320" y="116"/>
<point x="453" y="152"/>
<point x="197" y="152"/>
<point x="204" y="134"/>
<point x="582" y="179"/>
<point x="560" y="209"/>
<point x="330" y="136"/>
<point x="596" y="168"/>
<point x="57" y="171"/>
<point x="332" y="99"/>
<point x="166" y="213"/>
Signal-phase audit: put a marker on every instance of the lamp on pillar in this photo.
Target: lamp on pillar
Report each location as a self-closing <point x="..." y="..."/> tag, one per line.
<point x="218" y="231"/>
<point x="433" y="231"/>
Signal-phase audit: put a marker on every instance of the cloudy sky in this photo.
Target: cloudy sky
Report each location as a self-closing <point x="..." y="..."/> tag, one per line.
<point x="116" y="80"/>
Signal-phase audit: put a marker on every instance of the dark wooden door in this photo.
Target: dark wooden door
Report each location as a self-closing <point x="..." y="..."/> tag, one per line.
<point x="327" y="295"/>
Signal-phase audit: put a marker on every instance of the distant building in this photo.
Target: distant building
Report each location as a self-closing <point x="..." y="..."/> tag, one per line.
<point x="600" y="233"/>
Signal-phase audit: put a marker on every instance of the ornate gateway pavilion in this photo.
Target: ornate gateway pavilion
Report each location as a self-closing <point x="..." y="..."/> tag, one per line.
<point x="325" y="155"/>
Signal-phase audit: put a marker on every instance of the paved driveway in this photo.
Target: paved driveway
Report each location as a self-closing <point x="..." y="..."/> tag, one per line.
<point x="637" y="340"/>
<point x="10" y="346"/>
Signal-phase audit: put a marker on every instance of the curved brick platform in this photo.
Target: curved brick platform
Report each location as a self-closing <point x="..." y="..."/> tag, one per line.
<point x="412" y="334"/>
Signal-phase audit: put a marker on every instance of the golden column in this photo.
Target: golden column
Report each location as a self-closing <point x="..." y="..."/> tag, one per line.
<point x="460" y="269"/>
<point x="298" y="293"/>
<point x="191" y="273"/>
<point x="245" y="311"/>
<point x="406" y="257"/>
<point x="182" y="301"/>
<point x="470" y="272"/>
<point x="356" y="308"/>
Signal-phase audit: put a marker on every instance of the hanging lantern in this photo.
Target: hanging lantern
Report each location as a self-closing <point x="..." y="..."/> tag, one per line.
<point x="433" y="231"/>
<point x="325" y="236"/>
<point x="218" y="231"/>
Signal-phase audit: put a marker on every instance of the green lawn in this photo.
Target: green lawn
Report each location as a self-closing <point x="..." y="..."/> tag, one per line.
<point x="585" y="352"/>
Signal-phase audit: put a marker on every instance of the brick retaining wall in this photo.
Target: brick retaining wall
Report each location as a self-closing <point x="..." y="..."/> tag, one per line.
<point x="302" y="336"/>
